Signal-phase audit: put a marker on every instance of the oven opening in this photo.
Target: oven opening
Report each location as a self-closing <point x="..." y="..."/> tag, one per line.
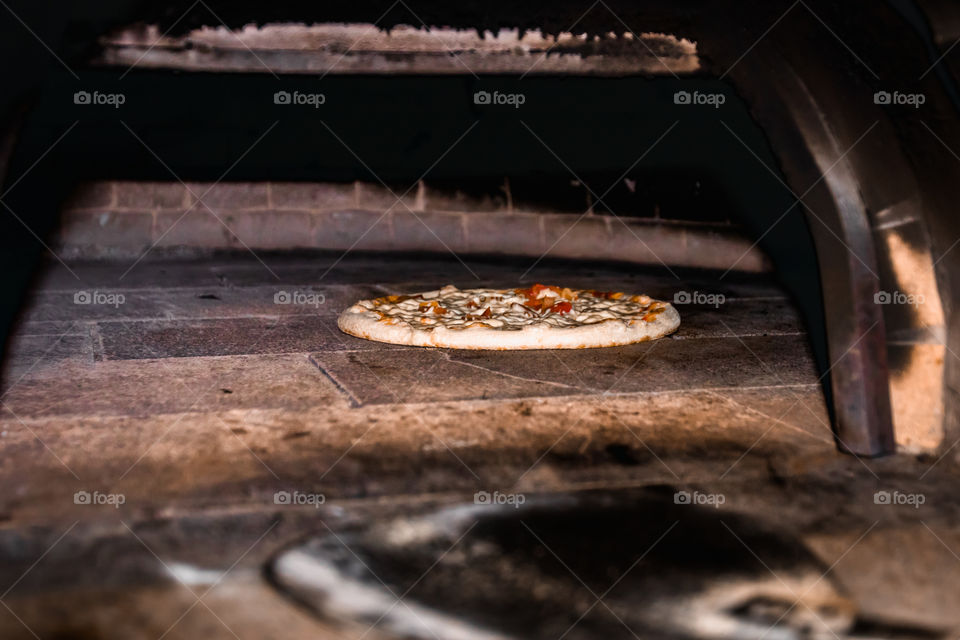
<point x="342" y="204"/>
<point x="194" y="208"/>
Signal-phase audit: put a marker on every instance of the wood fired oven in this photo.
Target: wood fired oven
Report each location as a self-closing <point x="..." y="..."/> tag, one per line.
<point x="196" y="190"/>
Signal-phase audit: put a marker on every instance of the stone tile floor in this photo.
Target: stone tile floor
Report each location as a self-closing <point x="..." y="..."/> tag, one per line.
<point x="198" y="398"/>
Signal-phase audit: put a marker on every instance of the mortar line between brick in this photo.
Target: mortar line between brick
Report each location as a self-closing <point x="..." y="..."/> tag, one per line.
<point x="625" y="394"/>
<point x="96" y="341"/>
<point x="354" y="402"/>
<point x="446" y="356"/>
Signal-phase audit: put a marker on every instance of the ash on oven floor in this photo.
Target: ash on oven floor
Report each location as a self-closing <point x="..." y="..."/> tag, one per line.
<point x="657" y="563"/>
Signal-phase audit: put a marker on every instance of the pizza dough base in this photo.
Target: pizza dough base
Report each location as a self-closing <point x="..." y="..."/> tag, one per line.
<point x="609" y="333"/>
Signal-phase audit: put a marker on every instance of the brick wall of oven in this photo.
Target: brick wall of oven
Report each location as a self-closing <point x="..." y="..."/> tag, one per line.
<point x="116" y="219"/>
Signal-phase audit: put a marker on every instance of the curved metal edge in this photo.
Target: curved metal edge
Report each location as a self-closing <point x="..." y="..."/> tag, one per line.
<point x="814" y="161"/>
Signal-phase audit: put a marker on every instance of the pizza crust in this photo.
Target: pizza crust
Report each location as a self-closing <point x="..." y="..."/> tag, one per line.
<point x="586" y="319"/>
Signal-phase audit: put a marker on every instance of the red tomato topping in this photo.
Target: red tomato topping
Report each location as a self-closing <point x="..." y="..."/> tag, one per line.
<point x="537" y="289"/>
<point x="533" y="293"/>
<point x="562" y="307"/>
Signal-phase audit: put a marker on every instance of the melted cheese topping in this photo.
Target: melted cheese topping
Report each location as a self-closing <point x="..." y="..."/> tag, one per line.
<point x="510" y="309"/>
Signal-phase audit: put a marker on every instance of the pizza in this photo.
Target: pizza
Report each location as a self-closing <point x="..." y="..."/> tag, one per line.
<point x="538" y="317"/>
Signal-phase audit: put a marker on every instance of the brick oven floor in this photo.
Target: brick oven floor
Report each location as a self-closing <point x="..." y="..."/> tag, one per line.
<point x="196" y="398"/>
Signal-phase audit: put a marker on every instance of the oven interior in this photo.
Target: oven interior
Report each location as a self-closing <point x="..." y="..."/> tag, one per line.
<point x="175" y="350"/>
